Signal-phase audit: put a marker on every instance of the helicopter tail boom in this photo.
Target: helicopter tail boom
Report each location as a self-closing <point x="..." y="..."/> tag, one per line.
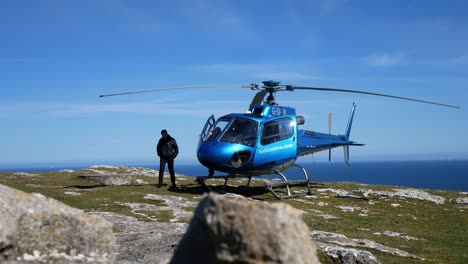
<point x="311" y="142"/>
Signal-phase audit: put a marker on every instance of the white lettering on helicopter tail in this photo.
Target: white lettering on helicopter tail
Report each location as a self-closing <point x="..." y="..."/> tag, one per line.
<point x="267" y="150"/>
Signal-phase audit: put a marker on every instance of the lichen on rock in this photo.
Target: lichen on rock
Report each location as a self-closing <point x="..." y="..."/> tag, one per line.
<point x="243" y="231"/>
<point x="33" y="224"/>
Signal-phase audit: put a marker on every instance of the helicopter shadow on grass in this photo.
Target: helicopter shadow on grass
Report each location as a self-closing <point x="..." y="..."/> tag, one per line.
<point x="255" y="192"/>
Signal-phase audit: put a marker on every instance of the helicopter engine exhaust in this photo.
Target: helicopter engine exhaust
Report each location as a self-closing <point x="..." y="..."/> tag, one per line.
<point x="300" y="120"/>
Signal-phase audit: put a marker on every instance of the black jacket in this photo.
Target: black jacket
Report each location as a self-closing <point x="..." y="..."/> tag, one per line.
<point x="167" y="149"/>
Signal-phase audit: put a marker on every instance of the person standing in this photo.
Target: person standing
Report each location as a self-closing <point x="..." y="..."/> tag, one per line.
<point x="167" y="150"/>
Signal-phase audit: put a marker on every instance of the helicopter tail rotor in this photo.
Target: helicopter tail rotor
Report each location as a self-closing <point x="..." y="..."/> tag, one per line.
<point x="346" y="155"/>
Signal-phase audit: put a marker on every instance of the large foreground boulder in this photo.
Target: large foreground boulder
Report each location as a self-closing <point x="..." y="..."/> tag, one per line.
<point x="36" y="228"/>
<point x="239" y="230"/>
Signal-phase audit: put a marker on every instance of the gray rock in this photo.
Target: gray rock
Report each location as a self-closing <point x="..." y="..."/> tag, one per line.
<point x="23" y="175"/>
<point x="73" y="193"/>
<point x="339" y="193"/>
<point x="399" y="235"/>
<point x="36" y="228"/>
<point x="174" y="203"/>
<point x="242" y="231"/>
<point x="107" y="169"/>
<point x="68" y="171"/>
<point x="347" y="208"/>
<point x="462" y="200"/>
<point x="111" y="179"/>
<point x="342" y="240"/>
<point x="143" y="242"/>
<point x="347" y="255"/>
<point x="404" y="194"/>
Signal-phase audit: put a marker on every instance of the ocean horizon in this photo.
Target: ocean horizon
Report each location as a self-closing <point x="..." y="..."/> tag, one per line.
<point x="425" y="174"/>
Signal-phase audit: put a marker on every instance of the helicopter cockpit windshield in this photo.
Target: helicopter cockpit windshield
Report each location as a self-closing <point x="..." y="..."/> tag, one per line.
<point x="242" y="131"/>
<point x="236" y="130"/>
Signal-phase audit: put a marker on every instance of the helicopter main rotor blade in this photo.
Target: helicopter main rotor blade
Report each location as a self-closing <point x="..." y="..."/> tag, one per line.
<point x="175" y="88"/>
<point x="369" y="93"/>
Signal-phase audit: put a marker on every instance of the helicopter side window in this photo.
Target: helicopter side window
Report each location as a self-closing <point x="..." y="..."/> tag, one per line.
<point x="277" y="130"/>
<point x="218" y="127"/>
<point x="241" y="131"/>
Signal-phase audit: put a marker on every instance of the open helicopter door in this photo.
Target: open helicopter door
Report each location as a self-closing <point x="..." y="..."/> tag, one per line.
<point x="207" y="128"/>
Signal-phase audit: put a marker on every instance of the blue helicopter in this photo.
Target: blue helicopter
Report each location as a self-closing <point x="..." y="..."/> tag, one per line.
<point x="267" y="138"/>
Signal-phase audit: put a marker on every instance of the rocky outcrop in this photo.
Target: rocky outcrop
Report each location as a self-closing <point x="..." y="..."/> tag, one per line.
<point x="107" y="169"/>
<point x="339" y="193"/>
<point x="344" y="255"/>
<point x="462" y="200"/>
<point x="23" y="175"/>
<point x="396" y="234"/>
<point x="242" y="231"/>
<point x="67" y="171"/>
<point x="342" y="240"/>
<point x="36" y="228"/>
<point x="174" y="204"/>
<point x="111" y="179"/>
<point x="404" y="194"/>
<point x="143" y="242"/>
<point x="119" y="175"/>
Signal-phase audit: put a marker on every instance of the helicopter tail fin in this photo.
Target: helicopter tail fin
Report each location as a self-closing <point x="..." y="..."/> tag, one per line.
<point x="348" y="132"/>
<point x="350" y="122"/>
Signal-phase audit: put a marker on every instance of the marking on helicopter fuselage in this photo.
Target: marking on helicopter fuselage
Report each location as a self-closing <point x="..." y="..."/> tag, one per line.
<point x="278" y="111"/>
<point x="276" y="148"/>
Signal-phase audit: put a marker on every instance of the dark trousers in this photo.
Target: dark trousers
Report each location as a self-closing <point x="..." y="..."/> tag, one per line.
<point x="170" y="166"/>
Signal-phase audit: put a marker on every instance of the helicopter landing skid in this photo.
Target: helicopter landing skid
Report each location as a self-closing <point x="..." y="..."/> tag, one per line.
<point x="271" y="185"/>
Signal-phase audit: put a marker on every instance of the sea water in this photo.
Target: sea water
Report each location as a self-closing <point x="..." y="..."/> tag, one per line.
<point x="444" y="175"/>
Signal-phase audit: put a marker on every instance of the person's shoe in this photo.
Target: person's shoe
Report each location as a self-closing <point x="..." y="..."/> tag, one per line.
<point x="159" y="186"/>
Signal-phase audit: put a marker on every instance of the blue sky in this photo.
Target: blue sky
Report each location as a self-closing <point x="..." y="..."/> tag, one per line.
<point x="56" y="57"/>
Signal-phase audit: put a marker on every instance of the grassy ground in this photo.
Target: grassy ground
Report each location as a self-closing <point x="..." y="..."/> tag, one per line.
<point x="441" y="230"/>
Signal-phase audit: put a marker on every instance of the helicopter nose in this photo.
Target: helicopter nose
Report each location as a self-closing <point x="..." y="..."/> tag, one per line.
<point x="223" y="156"/>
